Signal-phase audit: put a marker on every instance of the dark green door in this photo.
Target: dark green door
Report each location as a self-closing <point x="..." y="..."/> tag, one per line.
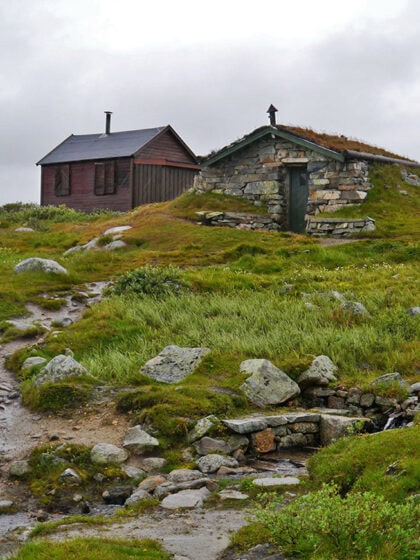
<point x="298" y="201"/>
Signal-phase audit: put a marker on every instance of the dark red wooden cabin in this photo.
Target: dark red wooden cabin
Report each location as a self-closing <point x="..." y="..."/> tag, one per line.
<point x="118" y="170"/>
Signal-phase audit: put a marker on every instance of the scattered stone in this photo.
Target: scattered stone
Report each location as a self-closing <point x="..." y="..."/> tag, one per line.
<point x="105" y="453"/>
<point x="23" y="230"/>
<point x="136" y="496"/>
<point x="229" y="494"/>
<point x="334" y="427"/>
<point x="415" y="387"/>
<point x="5" y="505"/>
<point x="184" y="475"/>
<point x="355" y="308"/>
<point x="70" y="476"/>
<point x="151" y="464"/>
<point x="60" y="368"/>
<point x="211" y="463"/>
<point x="114" y="245"/>
<point x="19" y="469"/>
<point x="117" y="229"/>
<point x="64" y="322"/>
<point x="137" y="440"/>
<point x="116" y="495"/>
<point x="40" y="265"/>
<point x="41" y="516"/>
<point x="267" y="384"/>
<point x="185" y="499"/>
<point x="226" y="471"/>
<point x="151" y="483"/>
<point x="274" y="482"/>
<point x="33" y="361"/>
<point x="132" y="472"/>
<point x="202" y="427"/>
<point x="367" y="400"/>
<point x="174" y="363"/>
<point x="321" y="372"/>
<point x="413" y="311"/>
<point x="208" y="445"/>
<point x="77" y="498"/>
<point x="392" y="379"/>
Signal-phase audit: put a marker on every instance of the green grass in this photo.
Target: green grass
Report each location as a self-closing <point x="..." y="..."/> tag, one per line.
<point x="93" y="549"/>
<point x="359" y="463"/>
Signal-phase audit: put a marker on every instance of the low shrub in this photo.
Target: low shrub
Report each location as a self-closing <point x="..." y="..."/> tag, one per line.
<point x="55" y="397"/>
<point x="322" y="525"/>
<point x="149" y="281"/>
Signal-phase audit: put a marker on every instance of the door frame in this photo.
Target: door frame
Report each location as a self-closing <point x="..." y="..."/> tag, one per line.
<point x="289" y="190"/>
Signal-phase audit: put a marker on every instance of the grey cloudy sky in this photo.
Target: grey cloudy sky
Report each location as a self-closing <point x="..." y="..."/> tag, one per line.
<point x="208" y="68"/>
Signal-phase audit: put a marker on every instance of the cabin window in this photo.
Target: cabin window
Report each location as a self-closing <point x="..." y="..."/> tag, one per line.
<point x="62" y="182"/>
<point x="105" y="179"/>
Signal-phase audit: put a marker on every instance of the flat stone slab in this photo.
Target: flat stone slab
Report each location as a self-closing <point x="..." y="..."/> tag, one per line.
<point x="174" y="363"/>
<point x="232" y="495"/>
<point x="252" y="424"/>
<point x="117" y="229"/>
<point x="185" y="499"/>
<point x="276" y="482"/>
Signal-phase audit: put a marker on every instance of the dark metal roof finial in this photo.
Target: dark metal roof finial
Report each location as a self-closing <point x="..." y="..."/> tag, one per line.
<point x="108" y="122"/>
<point x="272" y="112"/>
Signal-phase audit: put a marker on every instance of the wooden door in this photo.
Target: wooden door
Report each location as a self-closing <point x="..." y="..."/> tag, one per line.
<point x="298" y="200"/>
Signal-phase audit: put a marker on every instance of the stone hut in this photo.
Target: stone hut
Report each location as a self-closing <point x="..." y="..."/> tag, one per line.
<point x="297" y="172"/>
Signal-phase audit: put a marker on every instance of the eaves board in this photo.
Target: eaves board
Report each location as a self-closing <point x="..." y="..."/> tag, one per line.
<point x="278" y="133"/>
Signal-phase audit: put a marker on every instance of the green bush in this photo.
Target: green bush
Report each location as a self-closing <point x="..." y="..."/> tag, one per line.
<point x="322" y="525"/>
<point x="149" y="281"/>
<point x="31" y="214"/>
<point x="55" y="397"/>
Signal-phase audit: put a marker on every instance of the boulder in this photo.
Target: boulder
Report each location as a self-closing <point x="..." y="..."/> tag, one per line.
<point x="174" y="363"/>
<point x="202" y="427"/>
<point x="320" y="372"/>
<point x="70" y="476"/>
<point x="413" y="311"/>
<point x="207" y="445"/>
<point x="153" y="464"/>
<point x="136" y="496"/>
<point x="33" y="361"/>
<point x="151" y="483"/>
<point x="183" y="475"/>
<point x="276" y="482"/>
<point x="334" y="427"/>
<point x="117" y="495"/>
<point x="185" y="499"/>
<point x="391" y="379"/>
<point x="40" y="265"/>
<point x="133" y="472"/>
<point x="355" y="308"/>
<point x="117" y="229"/>
<point x="19" y="469"/>
<point x="117" y="244"/>
<point x="60" y="368"/>
<point x="415" y="387"/>
<point x="137" y="440"/>
<point x="105" y="453"/>
<point x="267" y="385"/>
<point x="211" y="463"/>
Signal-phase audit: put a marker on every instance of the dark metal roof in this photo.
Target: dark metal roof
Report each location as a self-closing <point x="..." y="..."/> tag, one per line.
<point x="100" y="146"/>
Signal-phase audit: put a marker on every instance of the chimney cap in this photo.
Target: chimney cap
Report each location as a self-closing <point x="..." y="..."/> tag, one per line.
<point x="272" y="112"/>
<point x="108" y="122"/>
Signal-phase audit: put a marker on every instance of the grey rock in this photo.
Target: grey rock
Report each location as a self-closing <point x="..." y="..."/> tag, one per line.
<point x="40" y="265"/>
<point x="117" y="495"/>
<point x="355" y="308"/>
<point x="185" y="499"/>
<point x="33" y="361"/>
<point x="267" y="385"/>
<point x="174" y="363"/>
<point x="133" y="472"/>
<point x="276" y="482"/>
<point x="136" y="496"/>
<point x="321" y="372"/>
<point x="19" y="469"/>
<point x="202" y="427"/>
<point x="153" y="464"/>
<point x="246" y="425"/>
<point x="117" y="229"/>
<point x="5" y="504"/>
<point x="334" y="427"/>
<point x="207" y="445"/>
<point x="413" y="311"/>
<point x="367" y="400"/>
<point x="105" y="453"/>
<point x="171" y="487"/>
<point x="137" y="440"/>
<point x="183" y="475"/>
<point x="293" y="440"/>
<point x="114" y="245"/>
<point x="70" y="476"/>
<point x="23" y="230"/>
<point x="415" y="387"/>
<point x="151" y="483"/>
<point x="230" y="494"/>
<point x="64" y="322"/>
<point x="61" y="367"/>
<point x="211" y="463"/>
<point x="391" y="379"/>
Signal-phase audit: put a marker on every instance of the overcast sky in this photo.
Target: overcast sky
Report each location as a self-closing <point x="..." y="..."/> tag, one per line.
<point x="210" y="69"/>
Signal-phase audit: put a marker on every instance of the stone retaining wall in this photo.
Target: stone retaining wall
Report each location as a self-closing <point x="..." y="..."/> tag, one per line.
<point x="338" y="227"/>
<point x="238" y="220"/>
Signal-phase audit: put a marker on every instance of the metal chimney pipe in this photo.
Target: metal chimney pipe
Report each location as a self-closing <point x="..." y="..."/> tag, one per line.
<point x="272" y="113"/>
<point x="108" y="122"/>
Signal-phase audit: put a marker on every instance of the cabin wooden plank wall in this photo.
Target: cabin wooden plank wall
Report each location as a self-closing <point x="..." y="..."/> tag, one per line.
<point x="82" y="187"/>
<point x="156" y="183"/>
<point x="168" y="147"/>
